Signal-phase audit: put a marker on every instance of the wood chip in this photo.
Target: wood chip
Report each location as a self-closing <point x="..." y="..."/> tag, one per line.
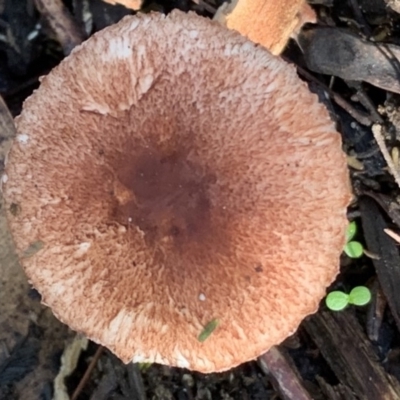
<point x="351" y="356"/>
<point x="132" y="4"/>
<point x="378" y="242"/>
<point x="269" y="23"/>
<point x="276" y="364"/>
<point x="395" y="236"/>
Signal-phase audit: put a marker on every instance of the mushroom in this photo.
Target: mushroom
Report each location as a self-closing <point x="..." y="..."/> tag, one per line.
<point x="270" y="23"/>
<point x="177" y="194"/>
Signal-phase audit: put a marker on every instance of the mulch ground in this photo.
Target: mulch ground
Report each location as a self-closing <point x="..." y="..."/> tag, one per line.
<point x="351" y="58"/>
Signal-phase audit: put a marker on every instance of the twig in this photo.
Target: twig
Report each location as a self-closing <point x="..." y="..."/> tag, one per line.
<point x="395" y="236"/>
<point x="87" y="373"/>
<point x="378" y="135"/>
<point x="284" y="374"/>
<point x="208" y="7"/>
<point x="61" y="21"/>
<point x="366" y="102"/>
<point x="361" y="117"/>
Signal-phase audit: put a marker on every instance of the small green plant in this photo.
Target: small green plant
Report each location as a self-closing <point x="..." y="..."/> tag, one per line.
<point x="338" y="300"/>
<point x="353" y="249"/>
<point x="208" y="330"/>
<point x="144" y="366"/>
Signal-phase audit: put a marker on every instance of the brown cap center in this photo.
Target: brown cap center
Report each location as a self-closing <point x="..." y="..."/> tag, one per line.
<point x="164" y="194"/>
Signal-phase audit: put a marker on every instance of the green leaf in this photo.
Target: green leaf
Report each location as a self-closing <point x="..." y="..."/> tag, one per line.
<point x="360" y="296"/>
<point x="354" y="249"/>
<point x="208" y="330"/>
<point x="144" y="366"/>
<point x="337" y="300"/>
<point x="351" y="231"/>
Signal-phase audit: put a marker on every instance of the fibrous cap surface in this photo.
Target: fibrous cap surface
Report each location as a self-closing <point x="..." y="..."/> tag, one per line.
<point x="167" y="174"/>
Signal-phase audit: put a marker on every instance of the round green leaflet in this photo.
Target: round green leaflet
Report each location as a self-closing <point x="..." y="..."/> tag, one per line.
<point x="360" y="296"/>
<point x="337" y="300"/>
<point x="351" y="231"/>
<point x="354" y="249"/>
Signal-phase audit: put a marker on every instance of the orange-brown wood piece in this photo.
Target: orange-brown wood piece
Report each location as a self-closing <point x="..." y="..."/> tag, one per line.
<point x="132" y="4"/>
<point x="270" y="23"/>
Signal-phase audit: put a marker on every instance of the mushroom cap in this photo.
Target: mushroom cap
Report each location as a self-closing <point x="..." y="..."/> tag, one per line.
<point x="167" y="174"/>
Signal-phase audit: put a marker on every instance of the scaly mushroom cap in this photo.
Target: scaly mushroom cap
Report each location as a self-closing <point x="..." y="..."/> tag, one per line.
<point x="170" y="173"/>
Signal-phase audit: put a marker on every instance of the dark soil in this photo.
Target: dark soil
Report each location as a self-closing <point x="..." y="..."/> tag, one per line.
<point x="351" y="59"/>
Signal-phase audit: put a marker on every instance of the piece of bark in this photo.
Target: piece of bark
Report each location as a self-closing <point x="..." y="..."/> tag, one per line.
<point x="394" y="5"/>
<point x="136" y="382"/>
<point x="276" y="364"/>
<point x="269" y="23"/>
<point x="69" y="361"/>
<point x="132" y="4"/>
<point x="335" y="51"/>
<point x="388" y="260"/>
<point x="68" y="32"/>
<point x="7" y="132"/>
<point x="12" y="277"/>
<point x="350" y="355"/>
<point x="107" y="384"/>
<point x="388" y="204"/>
<point x="376" y="310"/>
<point x="336" y="392"/>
